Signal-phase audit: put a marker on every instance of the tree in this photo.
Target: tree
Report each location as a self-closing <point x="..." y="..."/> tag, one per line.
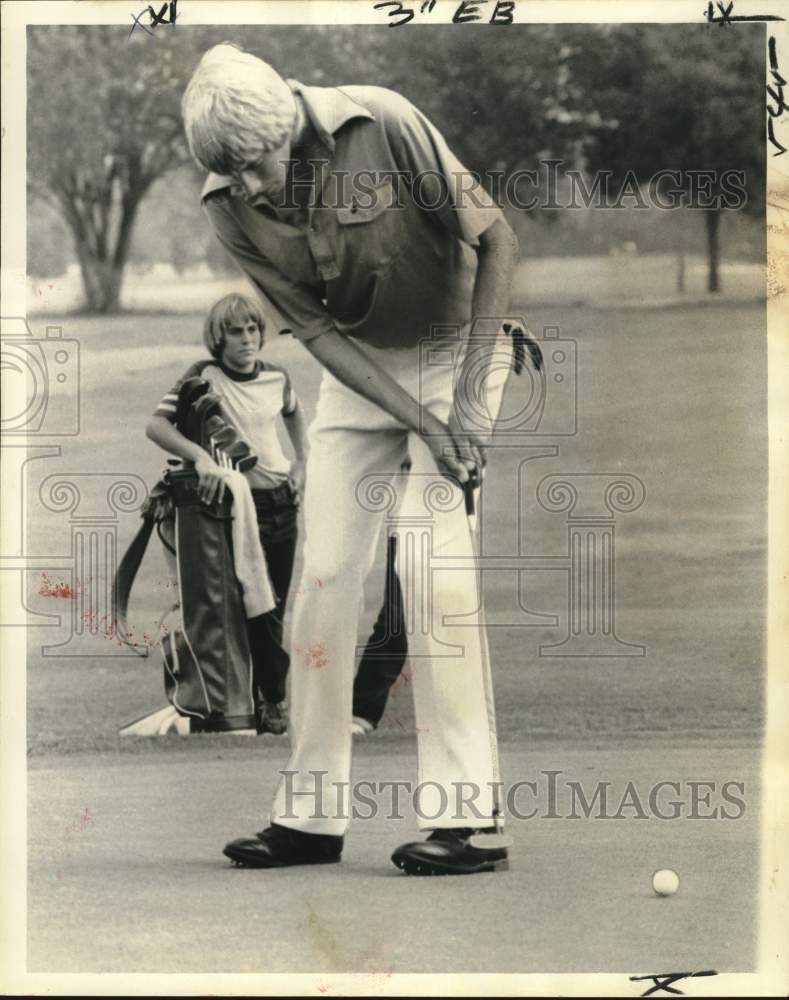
<point x="103" y="125"/>
<point x="681" y="99"/>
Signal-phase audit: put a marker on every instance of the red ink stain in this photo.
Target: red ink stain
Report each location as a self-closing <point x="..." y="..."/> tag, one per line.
<point x="81" y="823"/>
<point x="314" y="655"/>
<point x="318" y="654"/>
<point x="104" y="627"/>
<point x="99" y="625"/>
<point x="55" y="588"/>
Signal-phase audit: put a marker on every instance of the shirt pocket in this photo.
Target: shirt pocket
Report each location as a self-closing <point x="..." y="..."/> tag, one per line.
<point x="372" y="227"/>
<point x="367" y="205"/>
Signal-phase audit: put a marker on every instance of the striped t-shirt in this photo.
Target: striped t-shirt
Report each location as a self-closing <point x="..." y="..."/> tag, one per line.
<point x="251" y="403"/>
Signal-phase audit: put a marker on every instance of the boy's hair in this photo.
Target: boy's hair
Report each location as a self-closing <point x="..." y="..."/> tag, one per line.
<point x="232" y="310"/>
<point x="235" y="108"/>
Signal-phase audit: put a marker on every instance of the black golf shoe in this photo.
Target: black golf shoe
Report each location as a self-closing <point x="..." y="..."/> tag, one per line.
<point x="270" y="718"/>
<point x="449" y="852"/>
<point x="280" y="846"/>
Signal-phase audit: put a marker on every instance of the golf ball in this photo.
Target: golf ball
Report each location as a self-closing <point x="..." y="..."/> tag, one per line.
<point x="665" y="882"/>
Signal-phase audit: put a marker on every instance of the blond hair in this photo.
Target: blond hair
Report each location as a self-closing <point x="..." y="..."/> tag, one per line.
<point x="235" y="108"/>
<point x="232" y="310"/>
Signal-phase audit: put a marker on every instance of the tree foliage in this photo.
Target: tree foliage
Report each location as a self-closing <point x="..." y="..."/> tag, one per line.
<point x="681" y="100"/>
<point x="104" y="107"/>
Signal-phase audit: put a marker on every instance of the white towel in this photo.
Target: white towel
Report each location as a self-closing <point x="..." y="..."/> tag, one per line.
<point x="248" y="555"/>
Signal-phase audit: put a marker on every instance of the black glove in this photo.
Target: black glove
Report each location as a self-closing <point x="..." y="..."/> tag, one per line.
<point x="521" y="342"/>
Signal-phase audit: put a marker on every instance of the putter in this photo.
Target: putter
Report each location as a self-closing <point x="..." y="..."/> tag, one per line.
<point x="499" y="839"/>
<point x="470" y="488"/>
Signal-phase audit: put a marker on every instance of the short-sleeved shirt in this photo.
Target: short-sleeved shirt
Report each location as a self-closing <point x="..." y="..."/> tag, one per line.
<point x="387" y="252"/>
<point x="251" y="403"/>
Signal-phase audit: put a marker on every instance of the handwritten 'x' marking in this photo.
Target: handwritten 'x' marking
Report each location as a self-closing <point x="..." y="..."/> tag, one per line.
<point x="137" y="23"/>
<point x="663" y="981"/>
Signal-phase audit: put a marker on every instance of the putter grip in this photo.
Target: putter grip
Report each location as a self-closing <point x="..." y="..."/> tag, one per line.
<point x="468" y="490"/>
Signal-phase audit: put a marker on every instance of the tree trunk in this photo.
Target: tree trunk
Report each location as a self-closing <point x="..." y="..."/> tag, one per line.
<point x="102" y="264"/>
<point x="713" y="218"/>
<point x="682" y="253"/>
<point x="101" y="282"/>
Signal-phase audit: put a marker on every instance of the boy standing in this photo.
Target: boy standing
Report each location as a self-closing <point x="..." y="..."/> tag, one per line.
<point x="253" y="394"/>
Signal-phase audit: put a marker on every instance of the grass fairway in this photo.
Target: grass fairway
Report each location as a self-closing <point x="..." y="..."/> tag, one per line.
<point x="674" y="397"/>
<point x="125" y="836"/>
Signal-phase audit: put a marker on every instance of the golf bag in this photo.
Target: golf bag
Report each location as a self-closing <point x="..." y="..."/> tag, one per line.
<point x="204" y="641"/>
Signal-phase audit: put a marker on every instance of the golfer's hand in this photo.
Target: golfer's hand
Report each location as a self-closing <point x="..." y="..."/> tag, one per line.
<point x="471" y="442"/>
<point x="438" y="437"/>
<point x="210" y="480"/>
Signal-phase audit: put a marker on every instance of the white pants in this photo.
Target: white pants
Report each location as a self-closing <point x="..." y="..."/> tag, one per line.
<point x="355" y="445"/>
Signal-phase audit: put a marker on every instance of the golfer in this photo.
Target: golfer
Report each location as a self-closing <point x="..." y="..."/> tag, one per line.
<point x="365" y="236"/>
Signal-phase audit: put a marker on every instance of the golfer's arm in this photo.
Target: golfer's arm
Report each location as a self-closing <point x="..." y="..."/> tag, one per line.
<point x="169" y="438"/>
<point x="353" y="368"/>
<point x="497" y="256"/>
